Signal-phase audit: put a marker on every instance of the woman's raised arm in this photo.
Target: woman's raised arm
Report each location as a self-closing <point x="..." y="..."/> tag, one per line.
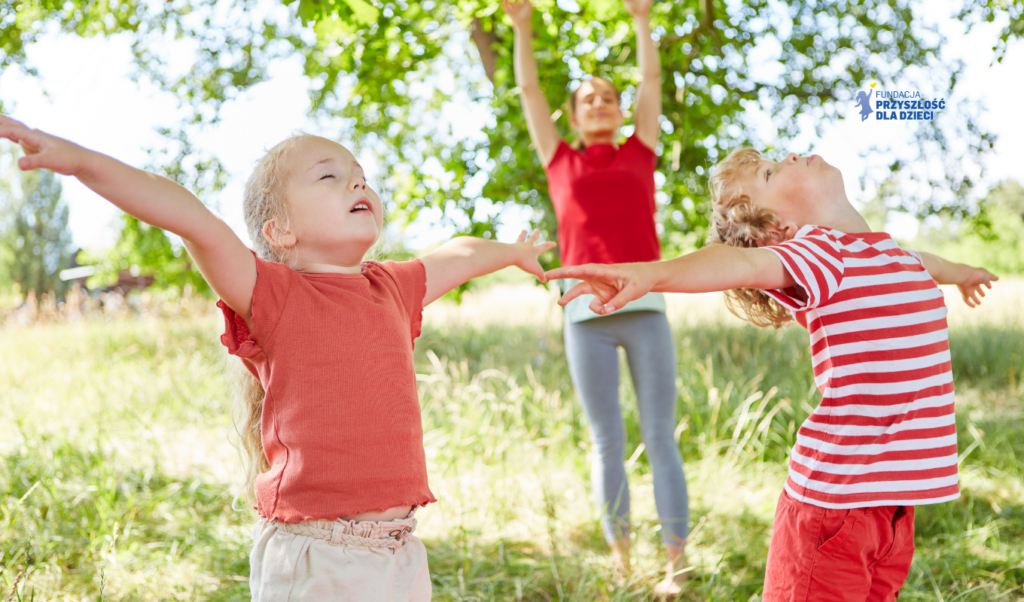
<point x="538" y="112"/>
<point x="221" y="256"/>
<point x="648" y="97"/>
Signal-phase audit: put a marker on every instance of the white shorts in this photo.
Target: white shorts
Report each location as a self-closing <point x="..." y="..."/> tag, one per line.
<point x="338" y="561"/>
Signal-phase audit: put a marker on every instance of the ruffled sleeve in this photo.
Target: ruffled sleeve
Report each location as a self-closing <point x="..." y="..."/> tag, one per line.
<point x="269" y="296"/>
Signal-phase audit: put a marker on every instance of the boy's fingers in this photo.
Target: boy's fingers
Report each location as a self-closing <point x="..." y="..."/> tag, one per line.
<point x="582" y="288"/>
<point x="534" y="235"/>
<point x="31" y="162"/>
<point x="590" y="271"/>
<point x="620" y="300"/>
<point x="546" y="246"/>
<point x="521" y="237"/>
<point x="558" y="273"/>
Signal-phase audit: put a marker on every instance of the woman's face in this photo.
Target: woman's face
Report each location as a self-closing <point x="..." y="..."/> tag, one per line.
<point x="597" y="108"/>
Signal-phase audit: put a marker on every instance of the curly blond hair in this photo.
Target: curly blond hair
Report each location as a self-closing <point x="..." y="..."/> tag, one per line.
<point x="736" y="221"/>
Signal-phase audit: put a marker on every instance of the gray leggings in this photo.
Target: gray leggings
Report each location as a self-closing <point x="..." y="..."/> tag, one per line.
<point x="591" y="347"/>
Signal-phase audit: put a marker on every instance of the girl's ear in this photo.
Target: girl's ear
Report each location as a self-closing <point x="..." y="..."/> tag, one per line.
<point x="277" y="235"/>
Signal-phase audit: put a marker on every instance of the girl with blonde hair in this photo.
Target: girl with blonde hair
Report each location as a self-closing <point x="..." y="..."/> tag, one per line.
<point x="333" y="428"/>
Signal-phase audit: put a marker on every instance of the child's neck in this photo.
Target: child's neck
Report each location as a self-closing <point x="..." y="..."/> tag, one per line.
<point x="309" y="263"/>
<point x="329" y="268"/>
<point x="843" y="217"/>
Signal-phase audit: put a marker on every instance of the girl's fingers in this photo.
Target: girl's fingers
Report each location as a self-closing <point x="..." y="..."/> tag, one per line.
<point x="534" y="268"/>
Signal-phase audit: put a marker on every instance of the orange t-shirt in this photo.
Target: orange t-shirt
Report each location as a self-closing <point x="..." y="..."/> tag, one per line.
<point x="341" y="423"/>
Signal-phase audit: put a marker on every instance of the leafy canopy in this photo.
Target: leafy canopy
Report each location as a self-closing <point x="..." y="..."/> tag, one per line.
<point x="401" y="76"/>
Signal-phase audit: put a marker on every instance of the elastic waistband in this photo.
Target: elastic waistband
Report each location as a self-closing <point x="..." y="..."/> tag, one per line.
<point x="367" y="533"/>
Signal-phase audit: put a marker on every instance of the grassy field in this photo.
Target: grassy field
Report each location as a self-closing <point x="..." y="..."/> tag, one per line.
<point x="117" y="473"/>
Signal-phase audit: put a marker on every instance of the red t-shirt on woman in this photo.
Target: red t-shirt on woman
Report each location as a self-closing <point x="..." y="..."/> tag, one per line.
<point x="341" y="423"/>
<point x="604" y="202"/>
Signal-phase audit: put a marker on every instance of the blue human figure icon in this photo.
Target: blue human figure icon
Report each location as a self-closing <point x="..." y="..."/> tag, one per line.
<point x="865" y="104"/>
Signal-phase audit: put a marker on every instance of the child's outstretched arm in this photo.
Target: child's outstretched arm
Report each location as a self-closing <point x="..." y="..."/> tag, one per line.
<point x="970" y="280"/>
<point x="714" y="268"/>
<point x="467" y="257"/>
<point x="538" y="112"/>
<point x="648" y="97"/>
<point x="221" y="256"/>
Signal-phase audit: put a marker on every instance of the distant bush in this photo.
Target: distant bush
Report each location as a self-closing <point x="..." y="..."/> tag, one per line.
<point x="994" y="239"/>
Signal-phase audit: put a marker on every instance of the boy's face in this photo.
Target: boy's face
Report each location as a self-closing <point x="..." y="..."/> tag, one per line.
<point x="332" y="212"/>
<point x="800" y="190"/>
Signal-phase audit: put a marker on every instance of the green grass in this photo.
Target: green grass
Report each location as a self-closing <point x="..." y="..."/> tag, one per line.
<point x="117" y="476"/>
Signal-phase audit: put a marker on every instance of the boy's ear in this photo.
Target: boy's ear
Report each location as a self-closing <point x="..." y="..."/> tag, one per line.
<point x="278" y="235"/>
<point x="779" y="234"/>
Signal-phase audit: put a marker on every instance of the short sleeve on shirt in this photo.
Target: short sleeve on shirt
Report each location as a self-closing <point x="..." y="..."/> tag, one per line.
<point x="814" y="259"/>
<point x="273" y="281"/>
<point x="410" y="278"/>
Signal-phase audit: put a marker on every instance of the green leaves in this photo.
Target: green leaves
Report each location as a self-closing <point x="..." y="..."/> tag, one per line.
<point x="35" y="242"/>
<point x="406" y="82"/>
<point x="357" y="12"/>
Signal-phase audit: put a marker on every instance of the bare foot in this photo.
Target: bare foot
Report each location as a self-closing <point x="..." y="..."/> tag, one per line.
<point x="668" y="588"/>
<point x="671" y="585"/>
<point x="620" y="561"/>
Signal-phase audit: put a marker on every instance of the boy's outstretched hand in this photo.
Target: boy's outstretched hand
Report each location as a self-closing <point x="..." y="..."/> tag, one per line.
<point x="529" y="251"/>
<point x="42" y="151"/>
<point x="613" y="286"/>
<point x="973" y="286"/>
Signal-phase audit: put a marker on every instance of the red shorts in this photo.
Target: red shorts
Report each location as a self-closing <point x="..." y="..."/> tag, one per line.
<point x="824" y="555"/>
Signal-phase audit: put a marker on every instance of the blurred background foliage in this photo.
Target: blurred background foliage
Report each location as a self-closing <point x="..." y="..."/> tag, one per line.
<point x="398" y="77"/>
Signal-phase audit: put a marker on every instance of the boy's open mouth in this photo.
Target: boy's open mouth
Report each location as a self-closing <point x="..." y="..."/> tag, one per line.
<point x="360" y="207"/>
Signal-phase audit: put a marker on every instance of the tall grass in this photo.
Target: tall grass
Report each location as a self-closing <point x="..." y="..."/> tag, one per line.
<point x="117" y="476"/>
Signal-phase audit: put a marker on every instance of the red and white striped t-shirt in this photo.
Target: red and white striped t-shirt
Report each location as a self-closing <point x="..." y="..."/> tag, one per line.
<point x="884" y="433"/>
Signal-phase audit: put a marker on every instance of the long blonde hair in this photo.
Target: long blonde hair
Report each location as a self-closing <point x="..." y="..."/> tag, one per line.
<point x="736" y="221"/>
<point x="262" y="201"/>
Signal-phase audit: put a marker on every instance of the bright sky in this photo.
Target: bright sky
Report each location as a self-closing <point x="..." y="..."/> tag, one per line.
<point x="85" y="93"/>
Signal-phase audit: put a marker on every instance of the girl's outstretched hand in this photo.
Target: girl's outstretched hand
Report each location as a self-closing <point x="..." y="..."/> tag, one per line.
<point x="974" y="286"/>
<point x="43" y="151"/>
<point x="613" y="286"/>
<point x="639" y="9"/>
<point x="520" y="11"/>
<point x="529" y="250"/>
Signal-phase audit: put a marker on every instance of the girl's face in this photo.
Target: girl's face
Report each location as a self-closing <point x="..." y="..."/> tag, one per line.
<point x="334" y="217"/>
<point x="800" y="190"/>
<point x="597" y="108"/>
